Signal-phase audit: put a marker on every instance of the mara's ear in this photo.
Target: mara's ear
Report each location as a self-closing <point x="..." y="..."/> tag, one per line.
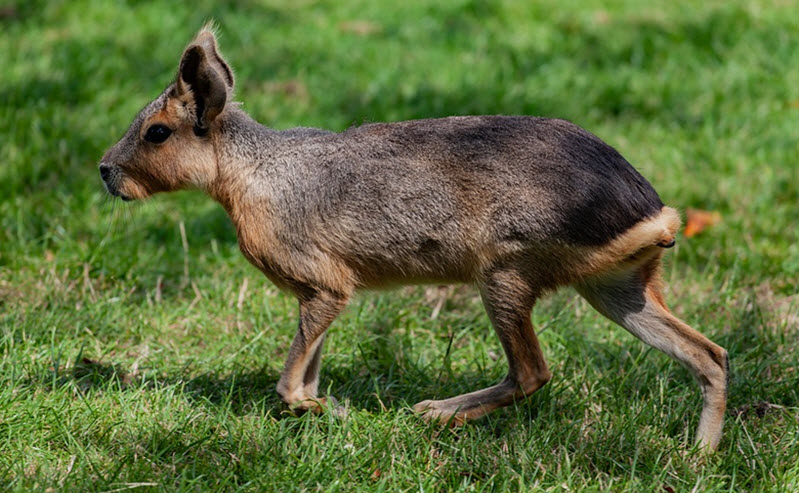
<point x="206" y="39"/>
<point x="205" y="78"/>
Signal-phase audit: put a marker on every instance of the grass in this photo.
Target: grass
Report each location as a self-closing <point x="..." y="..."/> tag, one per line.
<point x="140" y="350"/>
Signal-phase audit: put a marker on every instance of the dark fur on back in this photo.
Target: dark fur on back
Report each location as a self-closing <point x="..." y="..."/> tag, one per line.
<point x="596" y="194"/>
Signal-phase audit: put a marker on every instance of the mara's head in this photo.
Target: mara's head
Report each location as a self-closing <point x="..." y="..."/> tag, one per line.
<point x="170" y="144"/>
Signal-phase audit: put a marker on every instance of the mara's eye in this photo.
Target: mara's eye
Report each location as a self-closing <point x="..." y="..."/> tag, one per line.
<point x="157" y="134"/>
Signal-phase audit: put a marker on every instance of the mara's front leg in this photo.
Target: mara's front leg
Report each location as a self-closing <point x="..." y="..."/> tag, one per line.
<point x="299" y="379"/>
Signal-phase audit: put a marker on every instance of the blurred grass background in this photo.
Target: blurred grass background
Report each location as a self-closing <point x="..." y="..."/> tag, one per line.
<point x="138" y="357"/>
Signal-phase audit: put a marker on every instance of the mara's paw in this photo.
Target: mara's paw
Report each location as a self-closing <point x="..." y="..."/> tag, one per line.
<point x="319" y="405"/>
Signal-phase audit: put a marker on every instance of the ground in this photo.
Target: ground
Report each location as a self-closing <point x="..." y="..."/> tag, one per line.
<point x="141" y="351"/>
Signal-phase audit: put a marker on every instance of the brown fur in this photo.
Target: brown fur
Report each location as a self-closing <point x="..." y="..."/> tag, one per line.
<point x="514" y="205"/>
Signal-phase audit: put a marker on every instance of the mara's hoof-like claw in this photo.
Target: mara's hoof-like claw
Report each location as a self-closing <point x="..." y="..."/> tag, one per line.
<point x="432" y="411"/>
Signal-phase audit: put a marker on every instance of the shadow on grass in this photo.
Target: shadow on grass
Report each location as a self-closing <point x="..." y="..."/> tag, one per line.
<point x="381" y="381"/>
<point x="381" y="388"/>
<point x="244" y="392"/>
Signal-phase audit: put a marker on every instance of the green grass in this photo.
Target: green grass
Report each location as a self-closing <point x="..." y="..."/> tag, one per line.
<point x="132" y="359"/>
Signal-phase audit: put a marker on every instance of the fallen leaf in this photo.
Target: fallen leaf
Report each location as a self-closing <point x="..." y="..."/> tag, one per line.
<point x="698" y="220"/>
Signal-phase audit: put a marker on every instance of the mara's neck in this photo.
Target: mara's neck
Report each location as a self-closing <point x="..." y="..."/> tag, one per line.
<point x="241" y="145"/>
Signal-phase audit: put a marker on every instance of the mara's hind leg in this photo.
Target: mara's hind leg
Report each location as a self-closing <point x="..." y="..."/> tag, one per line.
<point x="633" y="300"/>
<point x="508" y="300"/>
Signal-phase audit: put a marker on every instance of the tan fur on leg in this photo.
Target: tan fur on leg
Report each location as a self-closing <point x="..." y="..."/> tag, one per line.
<point x="317" y="311"/>
<point x="634" y="301"/>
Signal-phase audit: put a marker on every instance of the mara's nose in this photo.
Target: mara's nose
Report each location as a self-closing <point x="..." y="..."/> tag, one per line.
<point x="105" y="171"/>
